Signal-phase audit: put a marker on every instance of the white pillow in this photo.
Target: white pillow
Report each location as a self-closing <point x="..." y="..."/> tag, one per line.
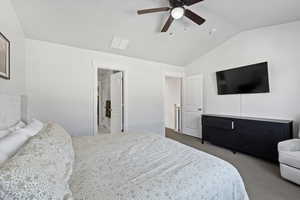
<point x="16" y="127"/>
<point x="31" y="129"/>
<point x="12" y="129"/>
<point x="4" y="133"/>
<point x="10" y="144"/>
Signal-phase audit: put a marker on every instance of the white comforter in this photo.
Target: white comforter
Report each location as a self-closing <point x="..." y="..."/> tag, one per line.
<point x="145" y="166"/>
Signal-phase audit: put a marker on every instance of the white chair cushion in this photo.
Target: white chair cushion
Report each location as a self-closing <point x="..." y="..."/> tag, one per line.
<point x="290" y="173"/>
<point x="290" y="158"/>
<point x="289" y="145"/>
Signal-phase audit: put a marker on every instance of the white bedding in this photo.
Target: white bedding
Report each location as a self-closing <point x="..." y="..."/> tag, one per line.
<point x="143" y="167"/>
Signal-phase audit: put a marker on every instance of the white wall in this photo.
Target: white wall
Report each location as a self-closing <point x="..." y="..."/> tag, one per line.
<point x="172" y="97"/>
<point x="280" y="46"/>
<point x="61" y="87"/>
<point x="11" y="29"/>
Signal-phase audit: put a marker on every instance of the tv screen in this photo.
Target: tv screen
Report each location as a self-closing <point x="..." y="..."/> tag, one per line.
<point x="244" y="80"/>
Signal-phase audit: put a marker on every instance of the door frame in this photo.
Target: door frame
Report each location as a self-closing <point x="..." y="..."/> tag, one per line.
<point x="95" y="93"/>
<point x="179" y="75"/>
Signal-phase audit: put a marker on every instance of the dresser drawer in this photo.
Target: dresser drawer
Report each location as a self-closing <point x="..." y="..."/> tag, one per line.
<point x="219" y="123"/>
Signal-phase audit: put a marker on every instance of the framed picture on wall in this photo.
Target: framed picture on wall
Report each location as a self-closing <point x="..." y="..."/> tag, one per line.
<point x="4" y="57"/>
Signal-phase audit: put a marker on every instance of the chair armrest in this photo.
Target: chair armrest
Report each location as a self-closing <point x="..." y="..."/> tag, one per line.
<point x="289" y="145"/>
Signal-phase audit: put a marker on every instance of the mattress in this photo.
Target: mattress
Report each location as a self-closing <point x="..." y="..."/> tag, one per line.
<point x="145" y="166"/>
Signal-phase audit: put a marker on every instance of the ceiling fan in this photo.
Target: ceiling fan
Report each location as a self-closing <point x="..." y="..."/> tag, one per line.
<point x="177" y="11"/>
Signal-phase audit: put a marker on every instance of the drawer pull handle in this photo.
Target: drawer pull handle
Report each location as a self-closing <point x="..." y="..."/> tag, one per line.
<point x="232" y="125"/>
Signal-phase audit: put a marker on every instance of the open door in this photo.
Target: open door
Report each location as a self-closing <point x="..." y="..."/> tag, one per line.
<point x="116" y="91"/>
<point x="192" y="108"/>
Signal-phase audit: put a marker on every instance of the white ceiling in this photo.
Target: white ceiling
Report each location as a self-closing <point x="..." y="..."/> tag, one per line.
<point x="91" y="24"/>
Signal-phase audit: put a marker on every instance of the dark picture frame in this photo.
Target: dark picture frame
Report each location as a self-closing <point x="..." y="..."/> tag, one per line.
<point x="4" y="57"/>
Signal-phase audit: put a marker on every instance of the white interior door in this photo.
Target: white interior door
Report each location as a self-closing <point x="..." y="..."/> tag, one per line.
<point x="116" y="91"/>
<point x="192" y="108"/>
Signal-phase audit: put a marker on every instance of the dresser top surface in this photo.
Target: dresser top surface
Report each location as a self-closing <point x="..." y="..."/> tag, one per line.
<point x="249" y="118"/>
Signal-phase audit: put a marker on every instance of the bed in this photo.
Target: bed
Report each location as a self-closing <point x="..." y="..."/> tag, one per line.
<point x="130" y="166"/>
<point x="144" y="166"/>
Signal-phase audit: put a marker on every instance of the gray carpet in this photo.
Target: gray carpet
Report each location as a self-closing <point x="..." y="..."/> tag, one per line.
<point x="262" y="179"/>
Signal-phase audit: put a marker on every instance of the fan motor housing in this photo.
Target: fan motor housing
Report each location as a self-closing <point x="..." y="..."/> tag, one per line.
<point x="177" y="12"/>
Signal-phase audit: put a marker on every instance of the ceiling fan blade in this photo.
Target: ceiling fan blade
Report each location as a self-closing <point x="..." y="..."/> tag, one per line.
<point x="168" y="24"/>
<point x="191" y="2"/>
<point x="194" y="17"/>
<point x="176" y="3"/>
<point x="153" y="10"/>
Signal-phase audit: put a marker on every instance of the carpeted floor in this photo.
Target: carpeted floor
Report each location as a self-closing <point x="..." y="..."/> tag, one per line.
<point x="262" y="179"/>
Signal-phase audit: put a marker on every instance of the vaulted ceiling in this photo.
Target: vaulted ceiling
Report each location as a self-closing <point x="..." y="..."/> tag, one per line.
<point x="92" y="24"/>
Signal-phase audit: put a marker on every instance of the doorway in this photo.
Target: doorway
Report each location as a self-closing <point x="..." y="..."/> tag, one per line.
<point x="173" y="94"/>
<point x="110" y="101"/>
<point x="183" y="104"/>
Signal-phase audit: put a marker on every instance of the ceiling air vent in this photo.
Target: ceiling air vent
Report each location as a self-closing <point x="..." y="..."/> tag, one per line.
<point x="119" y="43"/>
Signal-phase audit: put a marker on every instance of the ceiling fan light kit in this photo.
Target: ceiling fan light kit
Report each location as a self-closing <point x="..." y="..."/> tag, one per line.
<point x="177" y="11"/>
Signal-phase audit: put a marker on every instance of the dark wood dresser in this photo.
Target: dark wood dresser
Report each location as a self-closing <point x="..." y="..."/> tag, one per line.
<point x="255" y="136"/>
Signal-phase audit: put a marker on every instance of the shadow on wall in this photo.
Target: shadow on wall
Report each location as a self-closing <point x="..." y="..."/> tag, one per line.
<point x="297" y="127"/>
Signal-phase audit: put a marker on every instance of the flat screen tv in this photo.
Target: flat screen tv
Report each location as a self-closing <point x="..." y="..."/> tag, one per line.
<point x="244" y="80"/>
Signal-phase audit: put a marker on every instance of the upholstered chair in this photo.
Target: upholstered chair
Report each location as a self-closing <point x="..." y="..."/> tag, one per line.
<point x="289" y="158"/>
